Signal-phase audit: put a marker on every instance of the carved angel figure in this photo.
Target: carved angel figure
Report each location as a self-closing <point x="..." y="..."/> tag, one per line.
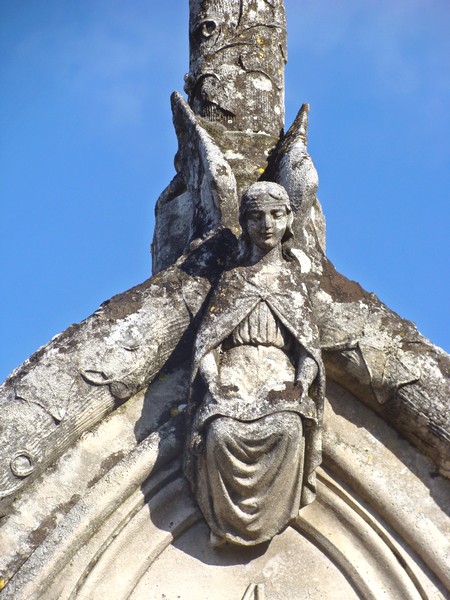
<point x="258" y="384"/>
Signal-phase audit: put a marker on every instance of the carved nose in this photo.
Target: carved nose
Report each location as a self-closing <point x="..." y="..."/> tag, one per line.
<point x="267" y="222"/>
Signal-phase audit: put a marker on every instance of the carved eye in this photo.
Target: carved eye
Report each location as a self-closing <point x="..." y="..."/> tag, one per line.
<point x="207" y="27"/>
<point x="254" y="215"/>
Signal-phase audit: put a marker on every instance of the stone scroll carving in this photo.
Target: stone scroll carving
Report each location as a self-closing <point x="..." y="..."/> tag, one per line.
<point x="254" y="440"/>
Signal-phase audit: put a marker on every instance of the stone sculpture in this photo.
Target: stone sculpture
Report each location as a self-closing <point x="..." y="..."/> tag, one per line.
<point x="367" y="348"/>
<point x="208" y="290"/>
<point x="258" y="389"/>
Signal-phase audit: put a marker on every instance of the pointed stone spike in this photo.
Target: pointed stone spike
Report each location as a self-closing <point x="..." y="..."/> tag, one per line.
<point x="297" y="131"/>
<point x="301" y="121"/>
<point x="205" y="171"/>
<point x="208" y="197"/>
<point x="291" y="166"/>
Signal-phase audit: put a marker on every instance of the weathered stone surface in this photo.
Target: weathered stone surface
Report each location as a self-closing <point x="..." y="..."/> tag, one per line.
<point x="237" y="58"/>
<point x="40" y="420"/>
<point x="236" y="90"/>
<point x="258" y="384"/>
<point x="208" y="195"/>
<point x="378" y="528"/>
<point x="379" y="521"/>
<point x="291" y="166"/>
<point x="69" y="385"/>
<point x="385" y="361"/>
<point x="396" y="482"/>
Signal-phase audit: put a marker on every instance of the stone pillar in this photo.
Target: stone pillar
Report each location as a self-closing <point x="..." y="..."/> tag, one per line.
<point x="237" y="58"/>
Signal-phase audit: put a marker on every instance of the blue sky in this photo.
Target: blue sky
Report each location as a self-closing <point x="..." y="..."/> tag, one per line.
<point x="87" y="145"/>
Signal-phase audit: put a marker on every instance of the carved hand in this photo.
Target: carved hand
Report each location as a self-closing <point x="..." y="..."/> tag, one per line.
<point x="307" y="370"/>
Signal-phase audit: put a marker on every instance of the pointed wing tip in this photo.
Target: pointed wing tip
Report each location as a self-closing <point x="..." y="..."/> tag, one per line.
<point x="302" y="121"/>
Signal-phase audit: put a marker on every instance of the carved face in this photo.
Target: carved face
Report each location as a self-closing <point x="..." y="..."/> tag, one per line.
<point x="267" y="224"/>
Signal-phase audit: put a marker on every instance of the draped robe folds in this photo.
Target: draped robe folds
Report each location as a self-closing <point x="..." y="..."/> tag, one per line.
<point x="255" y="465"/>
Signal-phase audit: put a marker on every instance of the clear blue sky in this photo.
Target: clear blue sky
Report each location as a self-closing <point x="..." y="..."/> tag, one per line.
<point x="87" y="145"/>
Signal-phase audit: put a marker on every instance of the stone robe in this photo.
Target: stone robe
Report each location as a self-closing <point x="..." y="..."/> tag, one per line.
<point x="252" y="453"/>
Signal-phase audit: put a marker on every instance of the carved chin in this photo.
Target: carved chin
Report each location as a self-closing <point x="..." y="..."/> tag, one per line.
<point x="268" y="243"/>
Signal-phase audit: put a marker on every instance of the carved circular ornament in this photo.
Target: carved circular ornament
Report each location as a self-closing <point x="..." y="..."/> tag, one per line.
<point x="207" y="27"/>
<point x="22" y="464"/>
